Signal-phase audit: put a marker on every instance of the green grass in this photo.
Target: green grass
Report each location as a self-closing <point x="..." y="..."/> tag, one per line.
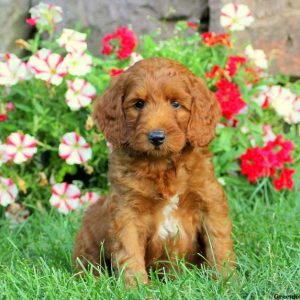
<point x="35" y="258"/>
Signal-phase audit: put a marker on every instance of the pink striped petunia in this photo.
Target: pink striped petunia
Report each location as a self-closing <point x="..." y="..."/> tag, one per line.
<point x="268" y="134"/>
<point x="236" y="17"/>
<point x="74" y="149"/>
<point x="3" y="154"/>
<point x="72" y="41"/>
<point x="8" y="191"/>
<point x="48" y="66"/>
<point x="90" y="198"/>
<point x="79" y="94"/>
<point x="45" y="15"/>
<point x="78" y="63"/>
<point x="20" y="147"/>
<point x="12" y="70"/>
<point x="65" y="197"/>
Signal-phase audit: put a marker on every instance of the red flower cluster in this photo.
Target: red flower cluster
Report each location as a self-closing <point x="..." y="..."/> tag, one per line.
<point x="211" y="39"/>
<point x="229" y="97"/>
<point x="127" y="41"/>
<point x="265" y="162"/>
<point x="228" y="93"/>
<point x="284" y="180"/>
<point x="216" y="71"/>
<point x="232" y="64"/>
<point x="230" y="69"/>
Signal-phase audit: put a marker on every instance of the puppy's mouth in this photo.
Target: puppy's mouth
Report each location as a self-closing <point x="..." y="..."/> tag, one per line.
<point x="156" y="145"/>
<point x="158" y="148"/>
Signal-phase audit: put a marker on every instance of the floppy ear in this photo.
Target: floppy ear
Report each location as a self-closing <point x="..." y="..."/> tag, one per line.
<point x="205" y="113"/>
<point x="108" y="113"/>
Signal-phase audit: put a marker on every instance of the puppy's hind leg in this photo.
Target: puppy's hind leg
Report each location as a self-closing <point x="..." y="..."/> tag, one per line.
<point x="89" y="245"/>
<point x="86" y="256"/>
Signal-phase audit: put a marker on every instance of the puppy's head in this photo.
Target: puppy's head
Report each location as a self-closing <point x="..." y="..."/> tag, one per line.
<point x="157" y="106"/>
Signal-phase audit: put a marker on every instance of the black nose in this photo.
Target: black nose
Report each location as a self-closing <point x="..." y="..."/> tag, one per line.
<point x="156" y="137"/>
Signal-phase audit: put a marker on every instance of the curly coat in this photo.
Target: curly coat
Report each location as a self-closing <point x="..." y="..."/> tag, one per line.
<point x="165" y="201"/>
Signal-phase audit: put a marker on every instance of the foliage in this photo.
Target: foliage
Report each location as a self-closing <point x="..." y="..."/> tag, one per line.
<point x="46" y="97"/>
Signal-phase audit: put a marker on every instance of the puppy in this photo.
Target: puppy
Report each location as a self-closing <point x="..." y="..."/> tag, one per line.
<point x="165" y="202"/>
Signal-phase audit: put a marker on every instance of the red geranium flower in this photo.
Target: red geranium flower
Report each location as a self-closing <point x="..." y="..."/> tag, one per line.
<point x="211" y="39"/>
<point x="232" y="64"/>
<point x="215" y="71"/>
<point x="229" y="97"/>
<point x="126" y="39"/>
<point x="223" y="39"/>
<point x="264" y="162"/>
<point x="252" y="164"/>
<point x="280" y="151"/>
<point x="284" y="180"/>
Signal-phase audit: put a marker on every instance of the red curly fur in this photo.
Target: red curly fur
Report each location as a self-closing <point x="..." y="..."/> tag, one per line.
<point x="164" y="199"/>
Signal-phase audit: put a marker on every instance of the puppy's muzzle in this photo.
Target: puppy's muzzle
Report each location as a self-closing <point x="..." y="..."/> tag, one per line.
<point x="156" y="137"/>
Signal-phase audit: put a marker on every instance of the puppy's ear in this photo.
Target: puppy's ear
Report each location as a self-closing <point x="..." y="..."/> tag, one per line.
<point x="205" y="113"/>
<point x="108" y="113"/>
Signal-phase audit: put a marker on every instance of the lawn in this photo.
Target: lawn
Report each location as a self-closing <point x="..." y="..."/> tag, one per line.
<point x="35" y="257"/>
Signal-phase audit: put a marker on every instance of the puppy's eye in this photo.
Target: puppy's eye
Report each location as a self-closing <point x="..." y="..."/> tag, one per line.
<point x="175" y="104"/>
<point x="139" y="104"/>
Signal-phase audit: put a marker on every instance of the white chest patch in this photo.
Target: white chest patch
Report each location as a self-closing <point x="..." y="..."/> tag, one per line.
<point x="170" y="225"/>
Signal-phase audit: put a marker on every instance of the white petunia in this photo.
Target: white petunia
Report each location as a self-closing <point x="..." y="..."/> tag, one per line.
<point x="78" y="64"/>
<point x="236" y="17"/>
<point x="20" y="147"/>
<point x="90" y="198"/>
<point x="48" y="66"/>
<point x="12" y="70"/>
<point x="46" y="14"/>
<point x="73" y="41"/>
<point x="8" y="191"/>
<point x="79" y="94"/>
<point x="268" y="134"/>
<point x="74" y="149"/>
<point x="65" y="197"/>
<point x="258" y="56"/>
<point x="3" y="154"/>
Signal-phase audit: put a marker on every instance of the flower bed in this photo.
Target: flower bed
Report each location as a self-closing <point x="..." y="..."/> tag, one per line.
<point x="52" y="154"/>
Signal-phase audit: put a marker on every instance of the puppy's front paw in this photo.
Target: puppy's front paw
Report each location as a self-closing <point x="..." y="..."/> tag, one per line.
<point x="133" y="280"/>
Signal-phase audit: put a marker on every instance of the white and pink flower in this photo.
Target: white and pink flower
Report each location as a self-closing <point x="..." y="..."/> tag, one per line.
<point x="47" y="66"/>
<point x="258" y="56"/>
<point x="65" y="197"/>
<point x="236" y="17"/>
<point x="8" y="191"/>
<point x="20" y="147"/>
<point x="89" y="198"/>
<point x="3" y="154"/>
<point x="12" y="70"/>
<point x="72" y="41"/>
<point x="134" y="58"/>
<point x="78" y="64"/>
<point x="268" y="134"/>
<point x="79" y="94"/>
<point x="285" y="103"/>
<point x="262" y="99"/>
<point x="45" y="15"/>
<point x="74" y="149"/>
